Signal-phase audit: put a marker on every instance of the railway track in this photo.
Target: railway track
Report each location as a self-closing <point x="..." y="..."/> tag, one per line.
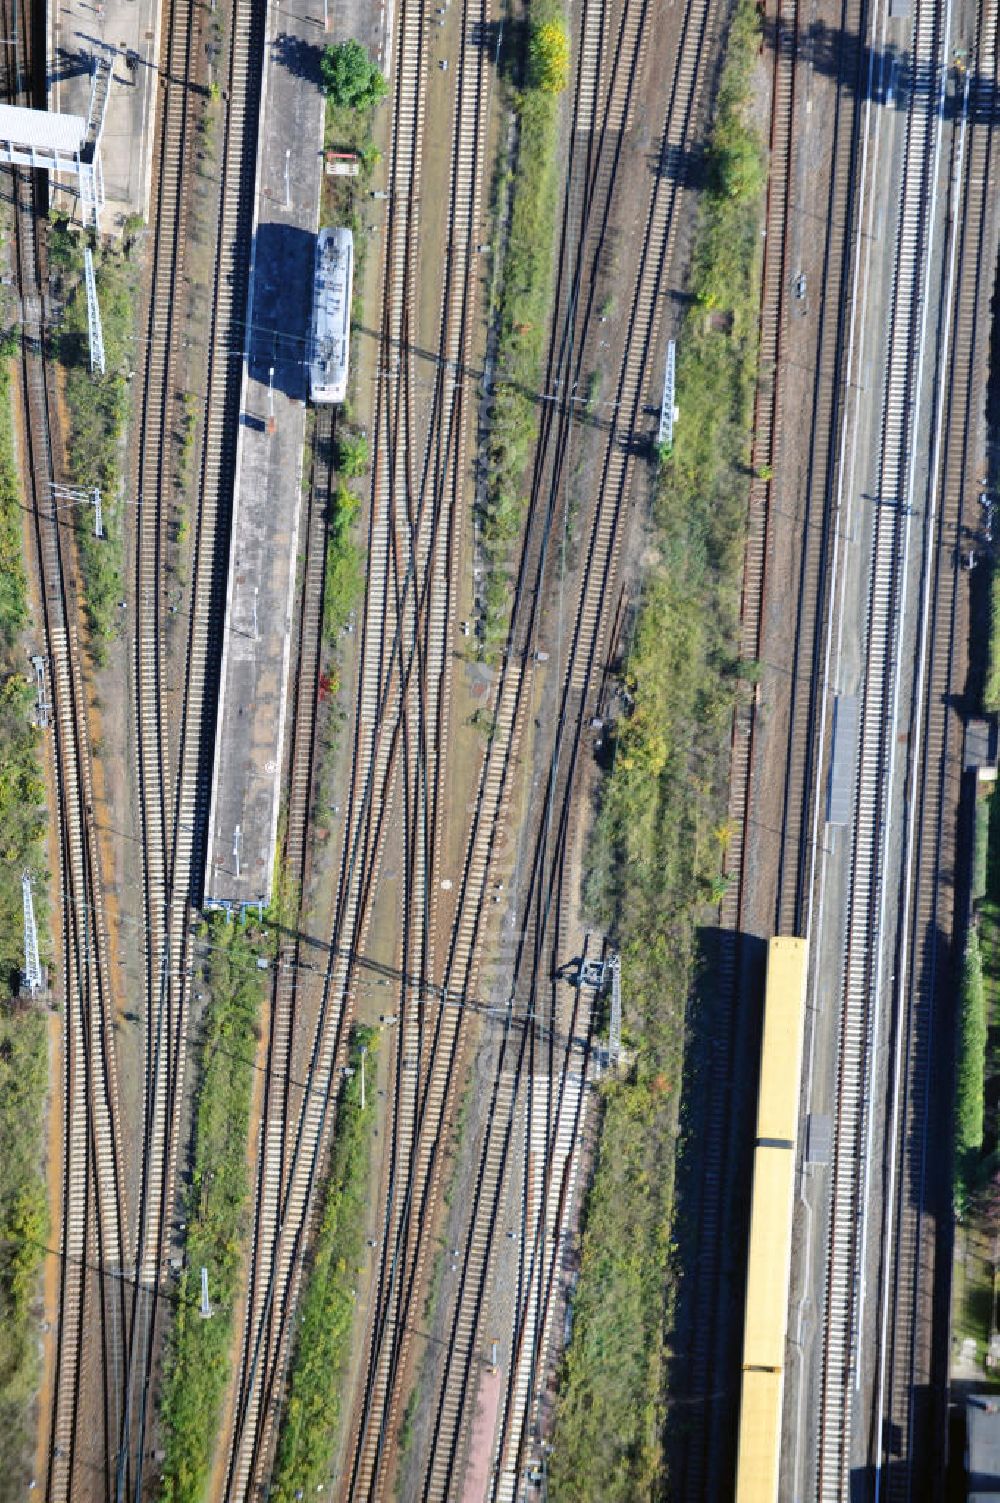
<point x="861" y="1021"/>
<point x="278" y="1111"/>
<point x="174" y="728"/>
<point x="580" y="666"/>
<point x="429" y="509"/>
<point x="93" y="1232"/>
<point x="907" y="1437"/>
<point x="404" y="627"/>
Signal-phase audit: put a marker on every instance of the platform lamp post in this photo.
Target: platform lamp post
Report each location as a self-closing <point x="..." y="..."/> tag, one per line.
<point x="270" y="400"/>
<point x="288" y="181"/>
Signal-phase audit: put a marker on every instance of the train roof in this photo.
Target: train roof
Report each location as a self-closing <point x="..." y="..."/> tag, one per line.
<point x="760" y="1437"/>
<point x="770" y="1258"/>
<point x="781" y="1051"/>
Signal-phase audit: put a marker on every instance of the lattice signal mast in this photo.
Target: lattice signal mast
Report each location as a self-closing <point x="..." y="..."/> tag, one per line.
<point x="94" y="329"/>
<point x="33" y="978"/>
<point x="668" y="412"/>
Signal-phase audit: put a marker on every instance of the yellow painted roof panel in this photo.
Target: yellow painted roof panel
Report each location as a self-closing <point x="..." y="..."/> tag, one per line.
<point x="781" y="1052"/>
<point x="760" y="1438"/>
<point x="770" y="1258"/>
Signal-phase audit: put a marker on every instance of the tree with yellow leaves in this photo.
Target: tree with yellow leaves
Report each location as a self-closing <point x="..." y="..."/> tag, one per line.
<point x="549" y="56"/>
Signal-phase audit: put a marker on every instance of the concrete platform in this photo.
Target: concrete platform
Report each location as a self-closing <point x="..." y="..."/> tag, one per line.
<point x="128" y="33"/>
<point x="250" y="732"/>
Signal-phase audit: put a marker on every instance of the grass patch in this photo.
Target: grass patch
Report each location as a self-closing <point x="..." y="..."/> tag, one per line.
<point x="197" y="1363"/>
<point x="310" y="1424"/>
<point x="98" y="408"/>
<point x="23" y="1044"/>
<point x="660" y="831"/>
<point x="525" y="300"/>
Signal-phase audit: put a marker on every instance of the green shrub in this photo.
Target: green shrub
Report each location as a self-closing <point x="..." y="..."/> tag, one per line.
<point x="548" y="56"/>
<point x="351" y="455"/>
<point x="350" y="78"/>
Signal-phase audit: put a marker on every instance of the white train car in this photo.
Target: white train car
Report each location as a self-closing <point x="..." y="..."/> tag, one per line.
<point x="333" y="282"/>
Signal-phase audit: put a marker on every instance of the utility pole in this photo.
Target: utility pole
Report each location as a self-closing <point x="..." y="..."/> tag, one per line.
<point x="236" y="849"/>
<point x="288" y="181"/>
<point x="32" y="966"/>
<point x="364" y="1051"/>
<point x="206" y="1309"/>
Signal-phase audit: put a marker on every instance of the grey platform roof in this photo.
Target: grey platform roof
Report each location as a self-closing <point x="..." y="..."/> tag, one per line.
<point x="42" y="130"/>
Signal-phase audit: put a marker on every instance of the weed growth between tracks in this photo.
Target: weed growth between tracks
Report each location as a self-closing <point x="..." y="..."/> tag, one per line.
<point x="197" y="1362"/>
<point x="98" y="409"/>
<point x="344" y="564"/>
<point x="525" y="300"/>
<point x="310" y="1423"/>
<point x="23" y="1044"/>
<point x="660" y="833"/>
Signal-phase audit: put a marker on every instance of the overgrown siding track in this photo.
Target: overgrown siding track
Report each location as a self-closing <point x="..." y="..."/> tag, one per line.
<point x="92" y="1237"/>
<point x="528" y="1051"/>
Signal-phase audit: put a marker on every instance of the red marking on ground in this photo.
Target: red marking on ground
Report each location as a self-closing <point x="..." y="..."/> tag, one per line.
<point x="477" y="1474"/>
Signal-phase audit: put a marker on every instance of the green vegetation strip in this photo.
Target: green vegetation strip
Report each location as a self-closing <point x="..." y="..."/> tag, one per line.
<point x="659" y="836"/>
<point x="991" y="689"/>
<point x="23" y="1045"/>
<point x="197" y="1361"/>
<point x="971" y="1073"/>
<point x="311" y="1422"/>
<point x="524" y="304"/>
<point x="344" y="560"/>
<point x="98" y="409"/>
